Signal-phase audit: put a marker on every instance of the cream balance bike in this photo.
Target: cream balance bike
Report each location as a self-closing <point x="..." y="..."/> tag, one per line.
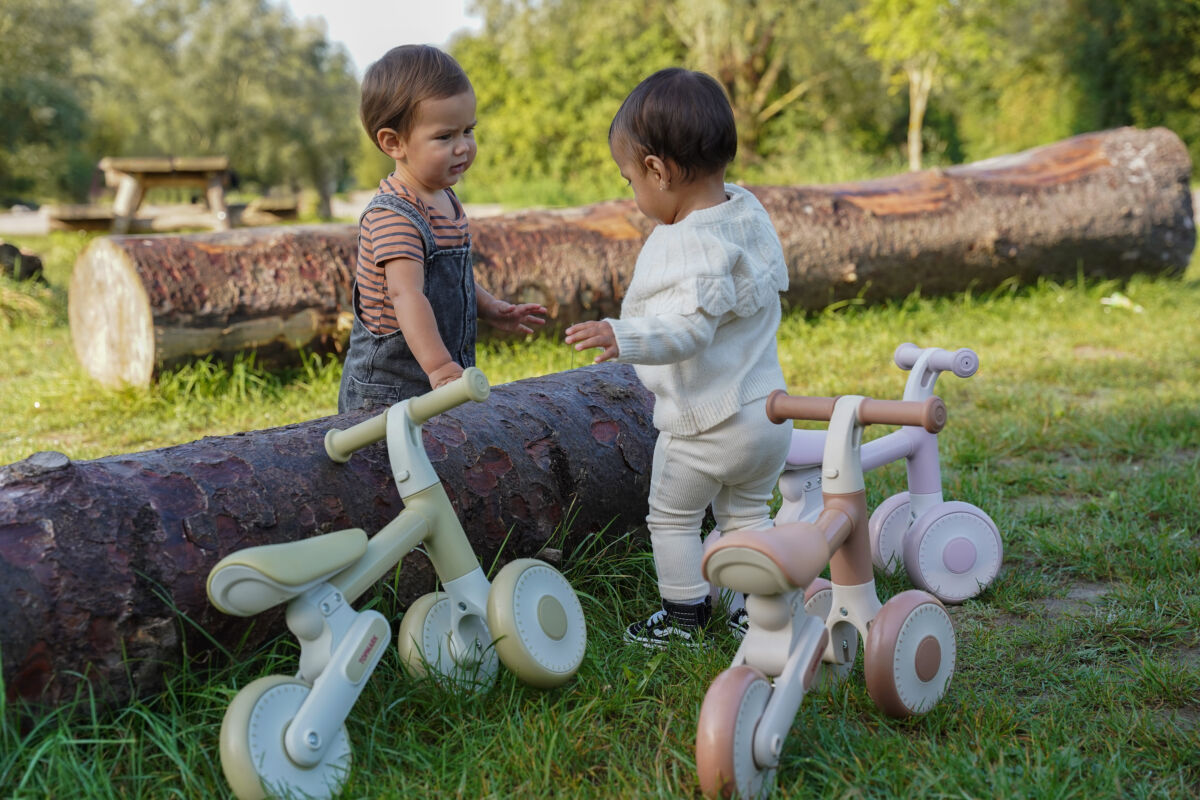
<point x="799" y="622"/>
<point x="951" y="549"/>
<point x="285" y="736"/>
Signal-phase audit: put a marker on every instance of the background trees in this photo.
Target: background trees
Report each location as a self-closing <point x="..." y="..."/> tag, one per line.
<point x="824" y="90"/>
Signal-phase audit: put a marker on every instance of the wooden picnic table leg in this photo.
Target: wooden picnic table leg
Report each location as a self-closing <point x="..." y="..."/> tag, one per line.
<point x="129" y="196"/>
<point x="216" y="200"/>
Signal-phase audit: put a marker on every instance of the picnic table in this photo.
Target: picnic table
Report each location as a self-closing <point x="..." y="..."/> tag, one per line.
<point x="131" y="177"/>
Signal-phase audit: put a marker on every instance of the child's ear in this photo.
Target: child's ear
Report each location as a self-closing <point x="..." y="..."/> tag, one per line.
<point x="390" y="143"/>
<point x="658" y="170"/>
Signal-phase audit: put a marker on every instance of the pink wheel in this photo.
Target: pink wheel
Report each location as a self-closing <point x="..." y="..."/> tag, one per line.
<point x="887" y="526"/>
<point x="732" y="708"/>
<point x="818" y="602"/>
<point x="953" y="551"/>
<point x="910" y="652"/>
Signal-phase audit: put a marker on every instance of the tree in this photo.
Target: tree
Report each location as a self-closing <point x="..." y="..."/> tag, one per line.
<point x="747" y="47"/>
<point x="548" y="77"/>
<point x="1137" y="63"/>
<point x="42" y="120"/>
<point x="922" y="43"/>
<point x="236" y="77"/>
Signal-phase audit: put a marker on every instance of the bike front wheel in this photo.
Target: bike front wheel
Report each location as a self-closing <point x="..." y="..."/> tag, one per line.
<point x="910" y="652"/>
<point x="534" y="614"/>
<point x="729" y="717"/>
<point x="253" y="756"/>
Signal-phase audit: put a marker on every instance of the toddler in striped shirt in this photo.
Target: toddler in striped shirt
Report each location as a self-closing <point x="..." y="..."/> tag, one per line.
<point x="415" y="298"/>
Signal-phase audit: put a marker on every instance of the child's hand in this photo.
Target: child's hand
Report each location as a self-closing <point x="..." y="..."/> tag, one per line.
<point x="515" y="318"/>
<point x="444" y="374"/>
<point x="586" y="335"/>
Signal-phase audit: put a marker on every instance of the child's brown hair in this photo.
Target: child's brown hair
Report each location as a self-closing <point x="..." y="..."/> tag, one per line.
<point x="680" y="116"/>
<point x="394" y="85"/>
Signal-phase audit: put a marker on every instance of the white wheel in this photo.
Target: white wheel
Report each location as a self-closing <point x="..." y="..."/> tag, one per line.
<point x="538" y="623"/>
<point x="910" y="654"/>
<point x="887" y="526"/>
<point x="953" y="551"/>
<point x="729" y="716"/>
<point x="818" y="602"/>
<point x="253" y="757"/>
<point x="425" y="647"/>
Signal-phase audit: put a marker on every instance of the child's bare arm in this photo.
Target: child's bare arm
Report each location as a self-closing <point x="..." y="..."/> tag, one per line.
<point x="597" y="333"/>
<point x="406" y="283"/>
<point x="511" y="317"/>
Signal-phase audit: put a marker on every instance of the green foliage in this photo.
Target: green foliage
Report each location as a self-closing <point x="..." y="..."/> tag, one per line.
<point x="823" y="90"/>
<point x="1139" y="63"/>
<point x="42" y="115"/>
<point x="548" y="78"/>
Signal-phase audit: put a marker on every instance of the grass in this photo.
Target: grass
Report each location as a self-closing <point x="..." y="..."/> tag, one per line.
<point x="1078" y="671"/>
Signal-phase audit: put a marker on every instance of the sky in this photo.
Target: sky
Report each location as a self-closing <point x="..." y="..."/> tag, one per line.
<point x="369" y="28"/>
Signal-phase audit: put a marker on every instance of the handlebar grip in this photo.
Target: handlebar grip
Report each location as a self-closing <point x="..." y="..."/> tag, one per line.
<point x="929" y="414"/>
<point x="962" y="362"/>
<point x="339" y="444"/>
<point x="782" y="407"/>
<point x="471" y="385"/>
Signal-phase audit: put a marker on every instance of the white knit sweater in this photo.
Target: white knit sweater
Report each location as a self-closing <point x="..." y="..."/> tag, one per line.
<point x="700" y="316"/>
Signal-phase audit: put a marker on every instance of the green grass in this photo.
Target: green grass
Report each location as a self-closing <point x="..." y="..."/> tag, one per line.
<point x="1078" y="672"/>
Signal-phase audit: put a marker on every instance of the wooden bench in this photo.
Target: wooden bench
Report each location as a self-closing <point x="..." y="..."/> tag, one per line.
<point x="132" y="177"/>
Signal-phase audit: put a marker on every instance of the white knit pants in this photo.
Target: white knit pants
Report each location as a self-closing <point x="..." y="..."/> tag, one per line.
<point x="733" y="466"/>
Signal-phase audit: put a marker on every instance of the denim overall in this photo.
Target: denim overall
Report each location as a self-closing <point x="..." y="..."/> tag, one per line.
<point x="380" y="369"/>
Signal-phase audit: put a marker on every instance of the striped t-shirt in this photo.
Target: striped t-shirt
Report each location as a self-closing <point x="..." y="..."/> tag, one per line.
<point x="385" y="235"/>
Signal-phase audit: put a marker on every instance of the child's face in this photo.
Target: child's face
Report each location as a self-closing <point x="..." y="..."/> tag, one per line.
<point x="441" y="145"/>
<point x="652" y="200"/>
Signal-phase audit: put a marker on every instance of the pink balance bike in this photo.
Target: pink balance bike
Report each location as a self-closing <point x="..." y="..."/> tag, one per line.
<point x="950" y="549"/>
<point x="799" y="622"/>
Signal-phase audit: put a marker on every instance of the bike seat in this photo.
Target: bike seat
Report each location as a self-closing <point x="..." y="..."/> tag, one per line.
<point x="770" y="561"/>
<point x="252" y="580"/>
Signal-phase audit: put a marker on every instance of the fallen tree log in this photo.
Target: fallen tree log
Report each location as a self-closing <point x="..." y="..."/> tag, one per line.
<point x="1105" y="205"/>
<point x="103" y="563"/>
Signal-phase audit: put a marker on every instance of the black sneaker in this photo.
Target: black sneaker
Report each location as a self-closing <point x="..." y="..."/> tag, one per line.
<point x="682" y="623"/>
<point x="739" y="623"/>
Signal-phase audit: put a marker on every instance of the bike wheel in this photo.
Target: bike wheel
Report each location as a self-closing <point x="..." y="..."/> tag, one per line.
<point x="910" y="653"/>
<point x="887" y="526"/>
<point x="424" y="644"/>
<point x="537" y="622"/>
<point x="729" y="716"/>
<point x="253" y="757"/>
<point x="818" y="602"/>
<point x="953" y="551"/>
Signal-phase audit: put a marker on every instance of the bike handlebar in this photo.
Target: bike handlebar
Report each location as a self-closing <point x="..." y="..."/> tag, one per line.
<point x="471" y="385"/>
<point x="962" y="362"/>
<point x="929" y="414"/>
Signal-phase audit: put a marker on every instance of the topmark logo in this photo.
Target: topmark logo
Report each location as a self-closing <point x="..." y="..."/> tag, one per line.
<point x="366" y="653"/>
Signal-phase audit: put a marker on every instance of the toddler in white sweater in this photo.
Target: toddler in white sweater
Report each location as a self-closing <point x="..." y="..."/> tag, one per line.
<point x="698" y="323"/>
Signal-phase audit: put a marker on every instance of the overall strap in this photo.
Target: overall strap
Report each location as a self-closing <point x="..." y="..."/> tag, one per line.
<point x="407" y="210"/>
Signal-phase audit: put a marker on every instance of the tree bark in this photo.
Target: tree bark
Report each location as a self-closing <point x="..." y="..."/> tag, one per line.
<point x="103" y="563"/>
<point x="1104" y="205"/>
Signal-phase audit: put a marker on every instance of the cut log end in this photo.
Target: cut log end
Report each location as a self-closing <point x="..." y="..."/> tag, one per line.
<point x="112" y="327"/>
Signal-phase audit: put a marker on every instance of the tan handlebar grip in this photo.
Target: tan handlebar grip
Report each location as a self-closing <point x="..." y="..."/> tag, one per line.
<point x="929" y="414"/>
<point x="471" y="385"/>
<point x="782" y="407"/>
<point x="339" y="444"/>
